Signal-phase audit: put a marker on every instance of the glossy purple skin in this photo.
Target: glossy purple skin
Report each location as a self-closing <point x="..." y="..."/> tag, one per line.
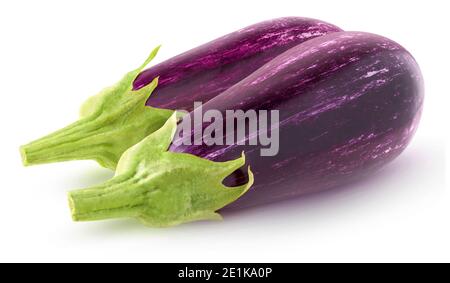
<point x="204" y="72"/>
<point x="349" y="103"/>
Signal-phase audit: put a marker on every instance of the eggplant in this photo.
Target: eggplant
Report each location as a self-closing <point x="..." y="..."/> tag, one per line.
<point x="348" y="103"/>
<point x="204" y="72"/>
<point x="115" y="119"/>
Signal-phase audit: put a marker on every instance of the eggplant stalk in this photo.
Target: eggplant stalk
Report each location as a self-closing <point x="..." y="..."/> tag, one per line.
<point x="110" y="122"/>
<point x="160" y="188"/>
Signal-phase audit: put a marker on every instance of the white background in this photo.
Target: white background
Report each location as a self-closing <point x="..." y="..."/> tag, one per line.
<point x="54" y="54"/>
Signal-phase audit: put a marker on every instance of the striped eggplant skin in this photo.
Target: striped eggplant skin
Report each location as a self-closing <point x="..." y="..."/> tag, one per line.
<point x="204" y="72"/>
<point x="349" y="103"/>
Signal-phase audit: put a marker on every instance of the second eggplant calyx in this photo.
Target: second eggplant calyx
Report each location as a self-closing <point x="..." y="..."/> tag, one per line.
<point x="160" y="188"/>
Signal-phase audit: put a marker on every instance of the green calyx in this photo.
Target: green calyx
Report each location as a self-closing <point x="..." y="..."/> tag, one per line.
<point x="160" y="188"/>
<point x="110" y="123"/>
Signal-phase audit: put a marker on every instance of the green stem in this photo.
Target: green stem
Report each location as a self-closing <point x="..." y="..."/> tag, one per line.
<point x="120" y="197"/>
<point x="70" y="143"/>
<point x="111" y="122"/>
<point x="103" y="137"/>
<point x="160" y="188"/>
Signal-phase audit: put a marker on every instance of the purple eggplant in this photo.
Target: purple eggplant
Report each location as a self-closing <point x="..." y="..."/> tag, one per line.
<point x="116" y="118"/>
<point x="347" y="102"/>
<point x="204" y="72"/>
